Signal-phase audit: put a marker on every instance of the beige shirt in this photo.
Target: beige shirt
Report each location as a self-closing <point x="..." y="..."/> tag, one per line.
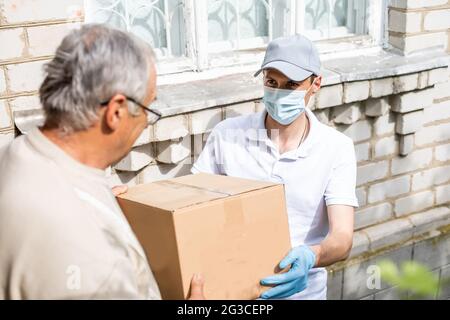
<point x="62" y="233"/>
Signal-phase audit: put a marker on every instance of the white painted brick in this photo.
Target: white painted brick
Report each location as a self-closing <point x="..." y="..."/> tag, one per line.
<point x="5" y="116"/>
<point x="44" y="40"/>
<point x="136" y="159"/>
<point x="406" y="144"/>
<point x="418" y="159"/>
<point x="17" y="11"/>
<point x="356" y="91"/>
<point x="329" y="96"/>
<point x="430" y="220"/>
<point x="356" y="274"/>
<point x="362" y="151"/>
<point x="2" y="82"/>
<point x="406" y="82"/>
<point x="323" y="115"/>
<point x="122" y="177"/>
<point x="389" y="233"/>
<point x="358" y="131"/>
<point x="438" y="75"/>
<point x="165" y="171"/>
<point x="205" y="120"/>
<point x="384" y="125"/>
<point x="385" y="146"/>
<point x="431" y="177"/>
<point x="415" y="43"/>
<point x="173" y="151"/>
<point x="387" y="294"/>
<point x="369" y="297"/>
<point x="372" y="172"/>
<point x="436" y="20"/>
<point x="433" y="254"/>
<point x="25" y="76"/>
<point x="389" y="189"/>
<point x="409" y="122"/>
<point x="423" y="79"/>
<point x="437" y="112"/>
<point x="444" y="292"/>
<point x="432" y="134"/>
<point x="25" y="103"/>
<point x="361" y="195"/>
<point x="416" y="4"/>
<point x="443" y="194"/>
<point x="334" y="285"/>
<point x="198" y="143"/>
<point x="377" y="107"/>
<point x="13" y="43"/>
<point x="171" y="128"/>
<point x="145" y="137"/>
<point x="239" y="109"/>
<point x="413" y="203"/>
<point x="347" y="114"/>
<point x="6" y="138"/>
<point x="405" y="22"/>
<point x="381" y="87"/>
<point x="373" y="215"/>
<point x="360" y="244"/>
<point x="442" y="90"/>
<point x="442" y="152"/>
<point x="412" y="101"/>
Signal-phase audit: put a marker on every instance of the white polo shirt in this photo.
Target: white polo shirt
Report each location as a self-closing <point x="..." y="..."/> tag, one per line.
<point x="321" y="172"/>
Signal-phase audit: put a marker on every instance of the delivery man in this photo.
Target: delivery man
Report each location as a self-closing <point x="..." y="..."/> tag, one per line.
<point x="62" y="233"/>
<point x="287" y="144"/>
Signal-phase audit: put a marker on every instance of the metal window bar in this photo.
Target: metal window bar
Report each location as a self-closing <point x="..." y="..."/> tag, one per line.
<point x="268" y="5"/>
<point x="128" y="17"/>
<point x="355" y="19"/>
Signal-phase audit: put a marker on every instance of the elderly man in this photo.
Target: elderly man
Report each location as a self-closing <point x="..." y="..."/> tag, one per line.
<point x="287" y="144"/>
<point x="62" y="233"/>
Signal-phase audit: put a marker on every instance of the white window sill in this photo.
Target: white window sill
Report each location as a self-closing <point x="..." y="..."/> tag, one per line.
<point x="237" y="84"/>
<point x="225" y="86"/>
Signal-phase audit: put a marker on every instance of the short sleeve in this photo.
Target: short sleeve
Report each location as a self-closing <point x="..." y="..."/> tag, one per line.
<point x="342" y="182"/>
<point x="209" y="159"/>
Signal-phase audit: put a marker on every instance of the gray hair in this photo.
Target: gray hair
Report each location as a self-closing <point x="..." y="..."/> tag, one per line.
<point x="90" y="66"/>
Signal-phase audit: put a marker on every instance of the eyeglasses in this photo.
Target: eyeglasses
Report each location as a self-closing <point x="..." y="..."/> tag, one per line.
<point x="152" y="115"/>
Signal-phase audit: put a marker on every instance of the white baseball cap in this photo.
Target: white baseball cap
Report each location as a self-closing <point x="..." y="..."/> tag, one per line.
<point x="294" y="56"/>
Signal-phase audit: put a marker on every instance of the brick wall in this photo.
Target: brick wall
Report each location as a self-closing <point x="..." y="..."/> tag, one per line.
<point x="30" y="30"/>
<point x="400" y="125"/>
<point x="416" y="25"/>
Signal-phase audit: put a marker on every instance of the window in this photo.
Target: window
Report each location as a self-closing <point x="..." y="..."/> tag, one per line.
<point x="159" y="22"/>
<point x="333" y="19"/>
<point x="203" y="34"/>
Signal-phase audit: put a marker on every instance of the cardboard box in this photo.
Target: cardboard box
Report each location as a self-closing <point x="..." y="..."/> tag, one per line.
<point x="234" y="231"/>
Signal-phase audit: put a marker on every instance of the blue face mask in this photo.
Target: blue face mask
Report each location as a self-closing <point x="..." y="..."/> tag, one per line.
<point x="284" y="106"/>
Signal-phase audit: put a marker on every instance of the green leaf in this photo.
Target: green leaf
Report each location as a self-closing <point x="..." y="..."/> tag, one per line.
<point x="413" y="277"/>
<point x="389" y="272"/>
<point x="418" y="279"/>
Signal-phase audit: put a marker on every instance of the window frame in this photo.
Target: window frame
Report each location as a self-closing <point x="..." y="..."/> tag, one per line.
<point x="199" y="57"/>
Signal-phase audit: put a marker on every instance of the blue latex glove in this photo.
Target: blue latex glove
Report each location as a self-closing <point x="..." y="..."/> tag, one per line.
<point x="301" y="259"/>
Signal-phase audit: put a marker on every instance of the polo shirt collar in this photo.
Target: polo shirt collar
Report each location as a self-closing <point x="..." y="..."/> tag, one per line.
<point x="260" y="134"/>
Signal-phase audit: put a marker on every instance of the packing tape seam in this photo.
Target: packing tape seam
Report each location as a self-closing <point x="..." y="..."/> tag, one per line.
<point x="193" y="187"/>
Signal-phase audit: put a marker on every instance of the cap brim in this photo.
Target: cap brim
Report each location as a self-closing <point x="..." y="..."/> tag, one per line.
<point x="289" y="70"/>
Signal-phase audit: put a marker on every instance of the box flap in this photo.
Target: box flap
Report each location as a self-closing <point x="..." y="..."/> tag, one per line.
<point x="161" y="194"/>
<point x="191" y="190"/>
<point x="222" y="184"/>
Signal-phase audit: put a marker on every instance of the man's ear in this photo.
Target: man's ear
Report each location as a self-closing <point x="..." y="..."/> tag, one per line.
<point x="115" y="111"/>
<point x="317" y="84"/>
